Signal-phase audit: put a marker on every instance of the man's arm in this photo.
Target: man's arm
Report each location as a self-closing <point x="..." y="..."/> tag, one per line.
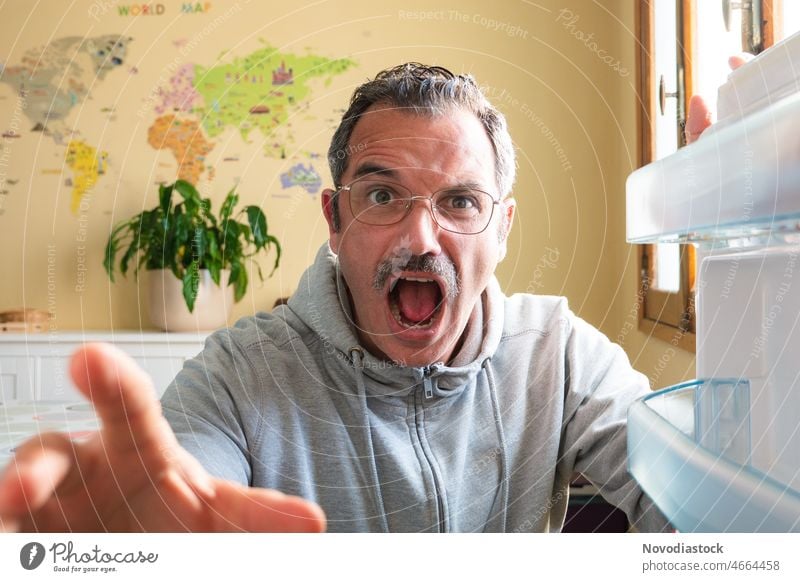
<point x="132" y="475"/>
<point x="601" y="385"/>
<point x="200" y="406"/>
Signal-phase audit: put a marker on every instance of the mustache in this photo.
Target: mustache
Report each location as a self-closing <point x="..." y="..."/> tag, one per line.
<point x="437" y="265"/>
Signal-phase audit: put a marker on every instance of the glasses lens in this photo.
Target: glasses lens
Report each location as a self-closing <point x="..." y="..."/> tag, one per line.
<point x="464" y="211"/>
<point x="381" y="203"/>
<point x="377" y="202"/>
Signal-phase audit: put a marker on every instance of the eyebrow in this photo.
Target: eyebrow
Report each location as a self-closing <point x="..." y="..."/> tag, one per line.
<point x="371" y="168"/>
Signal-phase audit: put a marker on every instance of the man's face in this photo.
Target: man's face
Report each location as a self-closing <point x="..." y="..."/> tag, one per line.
<point x="403" y="312"/>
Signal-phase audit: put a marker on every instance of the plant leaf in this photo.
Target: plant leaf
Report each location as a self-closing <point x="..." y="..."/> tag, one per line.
<point x="165" y="198"/>
<point x="199" y="246"/>
<point x="274" y="242"/>
<point x="239" y="278"/>
<point x="212" y="245"/>
<point x="231" y="200"/>
<point x="244" y="231"/>
<point x="183" y="235"/>
<point x="191" y="282"/>
<point x="258" y="268"/>
<point x="133" y="247"/>
<point x="258" y="226"/>
<point x="205" y="204"/>
<point x="110" y="257"/>
<point x="191" y="197"/>
<point x="215" y="272"/>
<point x="232" y="249"/>
<point x="213" y="259"/>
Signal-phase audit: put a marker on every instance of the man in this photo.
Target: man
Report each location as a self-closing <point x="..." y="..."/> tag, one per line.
<point x="399" y="389"/>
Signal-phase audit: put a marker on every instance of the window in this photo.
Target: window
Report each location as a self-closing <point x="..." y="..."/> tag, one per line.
<point x="684" y="47"/>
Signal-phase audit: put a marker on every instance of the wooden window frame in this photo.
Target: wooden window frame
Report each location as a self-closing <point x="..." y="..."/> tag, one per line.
<point x="671" y="316"/>
<point x="667" y="316"/>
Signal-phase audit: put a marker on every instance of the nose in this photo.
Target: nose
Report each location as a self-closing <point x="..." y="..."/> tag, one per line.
<point x="421" y="228"/>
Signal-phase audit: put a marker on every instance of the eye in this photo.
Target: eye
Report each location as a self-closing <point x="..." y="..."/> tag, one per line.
<point x="460" y="201"/>
<point x="380" y="196"/>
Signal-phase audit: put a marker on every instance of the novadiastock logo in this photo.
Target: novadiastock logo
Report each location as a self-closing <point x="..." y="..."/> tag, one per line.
<point x="31" y="555"/>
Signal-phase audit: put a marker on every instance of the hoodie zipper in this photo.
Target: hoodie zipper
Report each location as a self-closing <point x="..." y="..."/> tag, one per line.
<point x="427" y="384"/>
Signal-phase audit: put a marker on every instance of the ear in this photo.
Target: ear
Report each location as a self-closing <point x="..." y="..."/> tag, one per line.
<point x="508" y="206"/>
<point x="327" y="209"/>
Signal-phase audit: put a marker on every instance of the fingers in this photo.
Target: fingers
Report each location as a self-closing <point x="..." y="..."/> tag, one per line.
<point x="736" y="61"/>
<point x="698" y="119"/>
<point x="39" y="466"/>
<point x="124" y="400"/>
<point x="236" y="508"/>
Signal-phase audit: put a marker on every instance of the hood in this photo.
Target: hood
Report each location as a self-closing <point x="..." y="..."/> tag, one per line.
<point x="321" y="302"/>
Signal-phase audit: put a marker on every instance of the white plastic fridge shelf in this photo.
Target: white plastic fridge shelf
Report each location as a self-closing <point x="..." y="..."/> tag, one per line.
<point x="689" y="449"/>
<point x="740" y="180"/>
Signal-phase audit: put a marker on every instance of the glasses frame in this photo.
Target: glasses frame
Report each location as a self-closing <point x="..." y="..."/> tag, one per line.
<point x="409" y="202"/>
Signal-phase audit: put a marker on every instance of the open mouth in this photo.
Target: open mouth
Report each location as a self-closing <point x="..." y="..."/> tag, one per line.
<point x="415" y="301"/>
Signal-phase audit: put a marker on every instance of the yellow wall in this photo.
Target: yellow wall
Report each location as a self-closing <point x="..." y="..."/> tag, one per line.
<point x="663" y="363"/>
<point x="571" y="115"/>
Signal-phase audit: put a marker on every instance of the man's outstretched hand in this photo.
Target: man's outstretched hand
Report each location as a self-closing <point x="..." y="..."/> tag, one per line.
<point x="132" y="475"/>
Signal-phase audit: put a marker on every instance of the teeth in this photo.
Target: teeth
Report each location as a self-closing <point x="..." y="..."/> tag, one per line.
<point x="415" y="279"/>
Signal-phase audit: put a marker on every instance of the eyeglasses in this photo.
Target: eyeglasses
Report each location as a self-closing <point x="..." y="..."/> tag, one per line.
<point x="380" y="203"/>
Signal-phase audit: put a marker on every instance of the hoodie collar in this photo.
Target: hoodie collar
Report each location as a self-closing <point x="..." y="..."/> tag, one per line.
<point x="321" y="302"/>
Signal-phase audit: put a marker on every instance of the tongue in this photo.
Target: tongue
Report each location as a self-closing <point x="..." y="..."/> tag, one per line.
<point x="417" y="301"/>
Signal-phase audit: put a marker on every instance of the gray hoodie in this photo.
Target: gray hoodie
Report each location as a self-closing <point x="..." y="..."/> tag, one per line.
<point x="289" y="400"/>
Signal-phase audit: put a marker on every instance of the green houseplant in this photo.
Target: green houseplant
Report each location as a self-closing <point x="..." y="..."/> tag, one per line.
<point x="182" y="235"/>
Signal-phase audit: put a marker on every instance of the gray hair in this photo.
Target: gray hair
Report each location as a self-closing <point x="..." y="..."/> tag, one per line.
<point x="425" y="91"/>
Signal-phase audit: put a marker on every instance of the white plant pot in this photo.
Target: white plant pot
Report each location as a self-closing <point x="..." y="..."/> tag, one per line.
<point x="168" y="310"/>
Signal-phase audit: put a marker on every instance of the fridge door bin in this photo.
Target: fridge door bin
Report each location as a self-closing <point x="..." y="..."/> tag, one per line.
<point x="689" y="447"/>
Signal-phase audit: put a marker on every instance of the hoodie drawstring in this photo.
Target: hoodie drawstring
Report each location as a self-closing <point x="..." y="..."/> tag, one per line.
<point x="487" y="367"/>
<point x="357" y="354"/>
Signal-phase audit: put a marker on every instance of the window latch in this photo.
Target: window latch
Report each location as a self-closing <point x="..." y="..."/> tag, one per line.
<point x="752" y="39"/>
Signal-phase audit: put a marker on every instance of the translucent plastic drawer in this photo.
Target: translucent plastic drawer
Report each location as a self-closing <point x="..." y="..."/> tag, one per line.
<point x="690" y="448"/>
